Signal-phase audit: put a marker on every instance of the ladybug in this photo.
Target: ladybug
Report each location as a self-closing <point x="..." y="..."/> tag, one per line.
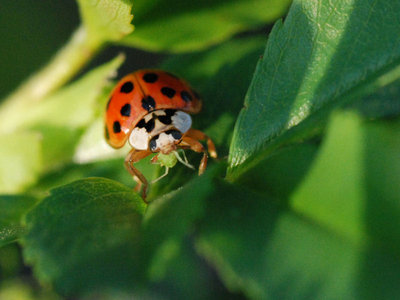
<point x="151" y="110"/>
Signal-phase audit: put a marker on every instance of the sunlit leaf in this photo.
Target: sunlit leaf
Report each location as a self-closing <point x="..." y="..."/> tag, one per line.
<point x="106" y="20"/>
<point x="322" y="53"/>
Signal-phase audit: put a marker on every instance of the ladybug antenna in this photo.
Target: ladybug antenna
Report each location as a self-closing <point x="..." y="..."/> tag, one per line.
<point x="183" y="161"/>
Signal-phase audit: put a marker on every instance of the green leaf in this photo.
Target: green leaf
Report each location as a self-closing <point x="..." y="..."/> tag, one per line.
<point x="90" y="225"/>
<point x="357" y="169"/>
<point x="167" y="245"/>
<point x="111" y="169"/>
<point x="162" y="234"/>
<point x="12" y="209"/>
<point x="221" y="75"/>
<point x="178" y="26"/>
<point x="20" y="160"/>
<point x="337" y="237"/>
<point x="383" y="103"/>
<point x="322" y="54"/>
<point x="106" y="20"/>
<point x="279" y="174"/>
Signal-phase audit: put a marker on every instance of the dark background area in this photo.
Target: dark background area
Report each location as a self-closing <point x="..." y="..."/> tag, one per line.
<point x="28" y="43"/>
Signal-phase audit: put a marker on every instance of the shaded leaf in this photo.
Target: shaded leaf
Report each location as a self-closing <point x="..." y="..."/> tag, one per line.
<point x="322" y="54"/>
<point x="12" y="210"/>
<point x="279" y="174"/>
<point x="178" y="26"/>
<point x="383" y="103"/>
<point x="90" y="225"/>
<point x="357" y="169"/>
<point x="162" y="234"/>
<point x="337" y="237"/>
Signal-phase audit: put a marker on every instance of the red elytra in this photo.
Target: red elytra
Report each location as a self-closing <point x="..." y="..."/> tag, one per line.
<point x="141" y="92"/>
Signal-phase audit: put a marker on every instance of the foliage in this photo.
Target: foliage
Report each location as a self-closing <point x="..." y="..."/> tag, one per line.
<point x="303" y="201"/>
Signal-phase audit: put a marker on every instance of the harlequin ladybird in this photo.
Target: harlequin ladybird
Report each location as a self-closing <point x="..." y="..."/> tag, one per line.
<point x="151" y="110"/>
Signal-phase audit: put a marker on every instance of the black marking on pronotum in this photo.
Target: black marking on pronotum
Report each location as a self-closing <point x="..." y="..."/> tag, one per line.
<point x="165" y="120"/>
<point x="169" y="112"/>
<point x="141" y="123"/>
<point x="175" y="134"/>
<point x="148" y="103"/>
<point x="106" y="133"/>
<point x="186" y="96"/>
<point x="150" y="77"/>
<point x="167" y="91"/>
<point x="126" y="110"/>
<point x="149" y="125"/>
<point x="116" y="127"/>
<point x="153" y="143"/>
<point x="127" y="87"/>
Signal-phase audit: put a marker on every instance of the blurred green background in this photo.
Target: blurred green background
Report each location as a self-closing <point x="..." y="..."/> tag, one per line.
<point x="309" y="204"/>
<point x="32" y="32"/>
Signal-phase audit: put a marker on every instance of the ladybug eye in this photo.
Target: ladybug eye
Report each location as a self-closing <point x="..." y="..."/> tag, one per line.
<point x="153" y="144"/>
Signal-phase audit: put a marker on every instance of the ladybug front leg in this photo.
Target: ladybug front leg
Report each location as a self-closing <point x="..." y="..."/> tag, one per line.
<point x="199" y="135"/>
<point x="133" y="157"/>
<point x="193" y="144"/>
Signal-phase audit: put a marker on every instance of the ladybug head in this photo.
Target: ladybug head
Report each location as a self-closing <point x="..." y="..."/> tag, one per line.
<point x="166" y="141"/>
<point x="160" y="131"/>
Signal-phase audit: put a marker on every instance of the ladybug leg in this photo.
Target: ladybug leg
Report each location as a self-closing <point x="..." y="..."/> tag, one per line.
<point x="133" y="157"/>
<point x="199" y="135"/>
<point x="193" y="144"/>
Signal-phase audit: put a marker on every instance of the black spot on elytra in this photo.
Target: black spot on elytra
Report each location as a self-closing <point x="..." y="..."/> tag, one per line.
<point x="126" y="110"/>
<point x="106" y="133"/>
<point x="116" y="127"/>
<point x="148" y="103"/>
<point x="149" y="125"/>
<point x="169" y="112"/>
<point x="141" y="124"/>
<point x="127" y="87"/>
<point x="150" y="77"/>
<point x="175" y="134"/>
<point x="167" y="91"/>
<point x="165" y="120"/>
<point x="186" y="96"/>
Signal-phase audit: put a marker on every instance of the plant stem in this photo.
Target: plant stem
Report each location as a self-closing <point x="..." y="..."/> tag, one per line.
<point x="65" y="64"/>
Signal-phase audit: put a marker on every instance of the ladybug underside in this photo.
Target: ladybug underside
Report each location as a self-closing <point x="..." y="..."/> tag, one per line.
<point x="160" y="130"/>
